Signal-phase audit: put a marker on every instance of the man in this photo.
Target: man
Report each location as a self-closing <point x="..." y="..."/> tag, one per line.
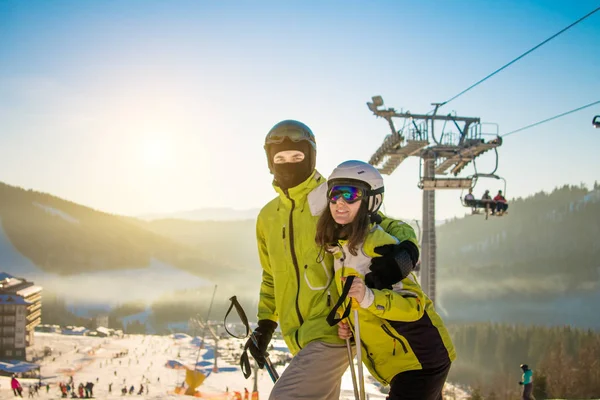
<point x="527" y="382"/>
<point x="470" y="199"/>
<point x="489" y="204"/>
<point x="296" y="289"/>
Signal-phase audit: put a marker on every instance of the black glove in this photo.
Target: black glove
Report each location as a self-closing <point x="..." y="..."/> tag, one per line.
<point x="520" y="383"/>
<point x="397" y="261"/>
<point x="263" y="335"/>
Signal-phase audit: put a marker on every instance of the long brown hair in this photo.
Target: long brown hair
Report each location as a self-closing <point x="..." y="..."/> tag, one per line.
<point x="329" y="231"/>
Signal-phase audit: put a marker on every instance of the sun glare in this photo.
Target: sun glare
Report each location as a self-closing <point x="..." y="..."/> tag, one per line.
<point x="155" y="151"/>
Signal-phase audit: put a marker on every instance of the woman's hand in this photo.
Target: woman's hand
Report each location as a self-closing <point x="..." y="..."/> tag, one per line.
<point x="344" y="331"/>
<point x="357" y="290"/>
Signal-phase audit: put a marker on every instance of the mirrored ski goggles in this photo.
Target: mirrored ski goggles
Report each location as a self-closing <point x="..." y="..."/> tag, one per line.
<point x="293" y="134"/>
<point x="350" y="194"/>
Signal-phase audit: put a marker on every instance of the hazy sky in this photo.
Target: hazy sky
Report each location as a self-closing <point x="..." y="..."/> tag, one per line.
<point x="152" y="106"/>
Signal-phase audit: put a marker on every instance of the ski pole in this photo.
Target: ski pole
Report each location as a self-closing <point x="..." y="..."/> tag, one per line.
<point x="352" y="372"/>
<point x="332" y="320"/>
<point x="361" y="380"/>
<point x="351" y="363"/>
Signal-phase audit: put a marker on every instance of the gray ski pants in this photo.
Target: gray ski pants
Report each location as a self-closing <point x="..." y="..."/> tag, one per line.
<point x="315" y="373"/>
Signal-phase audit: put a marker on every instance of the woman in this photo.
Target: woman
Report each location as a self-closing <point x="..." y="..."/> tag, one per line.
<point x="404" y="341"/>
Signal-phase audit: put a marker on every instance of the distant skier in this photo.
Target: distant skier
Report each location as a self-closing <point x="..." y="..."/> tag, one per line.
<point x="16" y="386"/>
<point x="89" y="389"/>
<point x="527" y="382"/>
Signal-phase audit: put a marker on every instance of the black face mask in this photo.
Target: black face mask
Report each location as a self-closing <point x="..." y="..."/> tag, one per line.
<point x="289" y="175"/>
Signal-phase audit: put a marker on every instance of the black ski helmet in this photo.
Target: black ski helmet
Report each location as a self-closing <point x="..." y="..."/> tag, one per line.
<point x="294" y="131"/>
<point x="524" y="367"/>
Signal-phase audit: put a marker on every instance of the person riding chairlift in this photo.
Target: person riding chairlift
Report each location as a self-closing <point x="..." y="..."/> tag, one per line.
<point x="489" y="204"/>
<point x="501" y="204"/>
<point x="469" y="198"/>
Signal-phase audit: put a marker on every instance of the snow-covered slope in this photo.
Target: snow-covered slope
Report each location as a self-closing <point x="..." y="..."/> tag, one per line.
<point x="92" y="359"/>
<point x="56" y="212"/>
<point x="11" y="260"/>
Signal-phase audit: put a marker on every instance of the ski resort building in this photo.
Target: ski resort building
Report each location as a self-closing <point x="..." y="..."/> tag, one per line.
<point x="20" y="313"/>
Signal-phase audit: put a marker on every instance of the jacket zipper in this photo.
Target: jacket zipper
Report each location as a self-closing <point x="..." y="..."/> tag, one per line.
<point x="372" y="362"/>
<point x="283" y="237"/>
<point x="296" y="267"/>
<point x="389" y="333"/>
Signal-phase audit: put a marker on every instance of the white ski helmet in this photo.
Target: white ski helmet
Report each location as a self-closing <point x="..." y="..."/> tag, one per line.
<point x="354" y="172"/>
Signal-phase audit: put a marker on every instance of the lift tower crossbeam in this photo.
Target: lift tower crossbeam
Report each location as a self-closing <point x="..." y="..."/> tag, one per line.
<point x="417" y="138"/>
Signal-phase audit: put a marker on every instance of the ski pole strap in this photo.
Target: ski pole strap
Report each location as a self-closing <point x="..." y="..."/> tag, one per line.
<point x="331" y="318"/>
<point x="244" y="359"/>
<point x="238" y="307"/>
<point x="245" y="362"/>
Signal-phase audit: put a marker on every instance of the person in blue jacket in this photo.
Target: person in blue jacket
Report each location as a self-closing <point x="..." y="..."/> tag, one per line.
<point x="527" y="382"/>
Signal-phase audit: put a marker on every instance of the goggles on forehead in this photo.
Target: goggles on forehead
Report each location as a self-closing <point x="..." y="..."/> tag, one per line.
<point x="291" y="133"/>
<point x="350" y="194"/>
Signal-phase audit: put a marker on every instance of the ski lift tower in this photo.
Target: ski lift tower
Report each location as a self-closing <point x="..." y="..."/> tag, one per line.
<point x="442" y="157"/>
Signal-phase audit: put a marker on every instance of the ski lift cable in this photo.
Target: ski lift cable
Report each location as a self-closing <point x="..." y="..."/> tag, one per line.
<point x="551" y="118"/>
<point x="521" y="56"/>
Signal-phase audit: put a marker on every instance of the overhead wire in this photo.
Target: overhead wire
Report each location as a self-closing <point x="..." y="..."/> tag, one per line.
<point x="506" y="66"/>
<point x="551" y="118"/>
<point x="521" y="56"/>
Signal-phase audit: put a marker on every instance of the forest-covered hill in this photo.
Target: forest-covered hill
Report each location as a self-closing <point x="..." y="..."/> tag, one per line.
<point x="538" y="264"/>
<point x="64" y="238"/>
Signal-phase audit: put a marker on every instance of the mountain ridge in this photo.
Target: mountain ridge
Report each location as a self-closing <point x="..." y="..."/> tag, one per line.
<point x="205" y="214"/>
<point x="47" y="238"/>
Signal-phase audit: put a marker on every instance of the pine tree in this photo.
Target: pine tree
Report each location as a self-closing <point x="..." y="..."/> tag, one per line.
<point x="540" y="386"/>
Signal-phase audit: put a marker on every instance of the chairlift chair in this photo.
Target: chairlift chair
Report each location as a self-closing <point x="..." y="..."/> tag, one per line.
<point x="596" y="121"/>
<point x="479" y="206"/>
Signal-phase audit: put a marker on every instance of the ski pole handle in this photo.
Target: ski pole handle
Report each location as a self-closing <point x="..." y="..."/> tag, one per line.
<point x="354" y="305"/>
<point x="268" y="364"/>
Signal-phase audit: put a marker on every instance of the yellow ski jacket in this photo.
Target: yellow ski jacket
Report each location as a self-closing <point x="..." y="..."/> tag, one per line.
<point x="399" y="328"/>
